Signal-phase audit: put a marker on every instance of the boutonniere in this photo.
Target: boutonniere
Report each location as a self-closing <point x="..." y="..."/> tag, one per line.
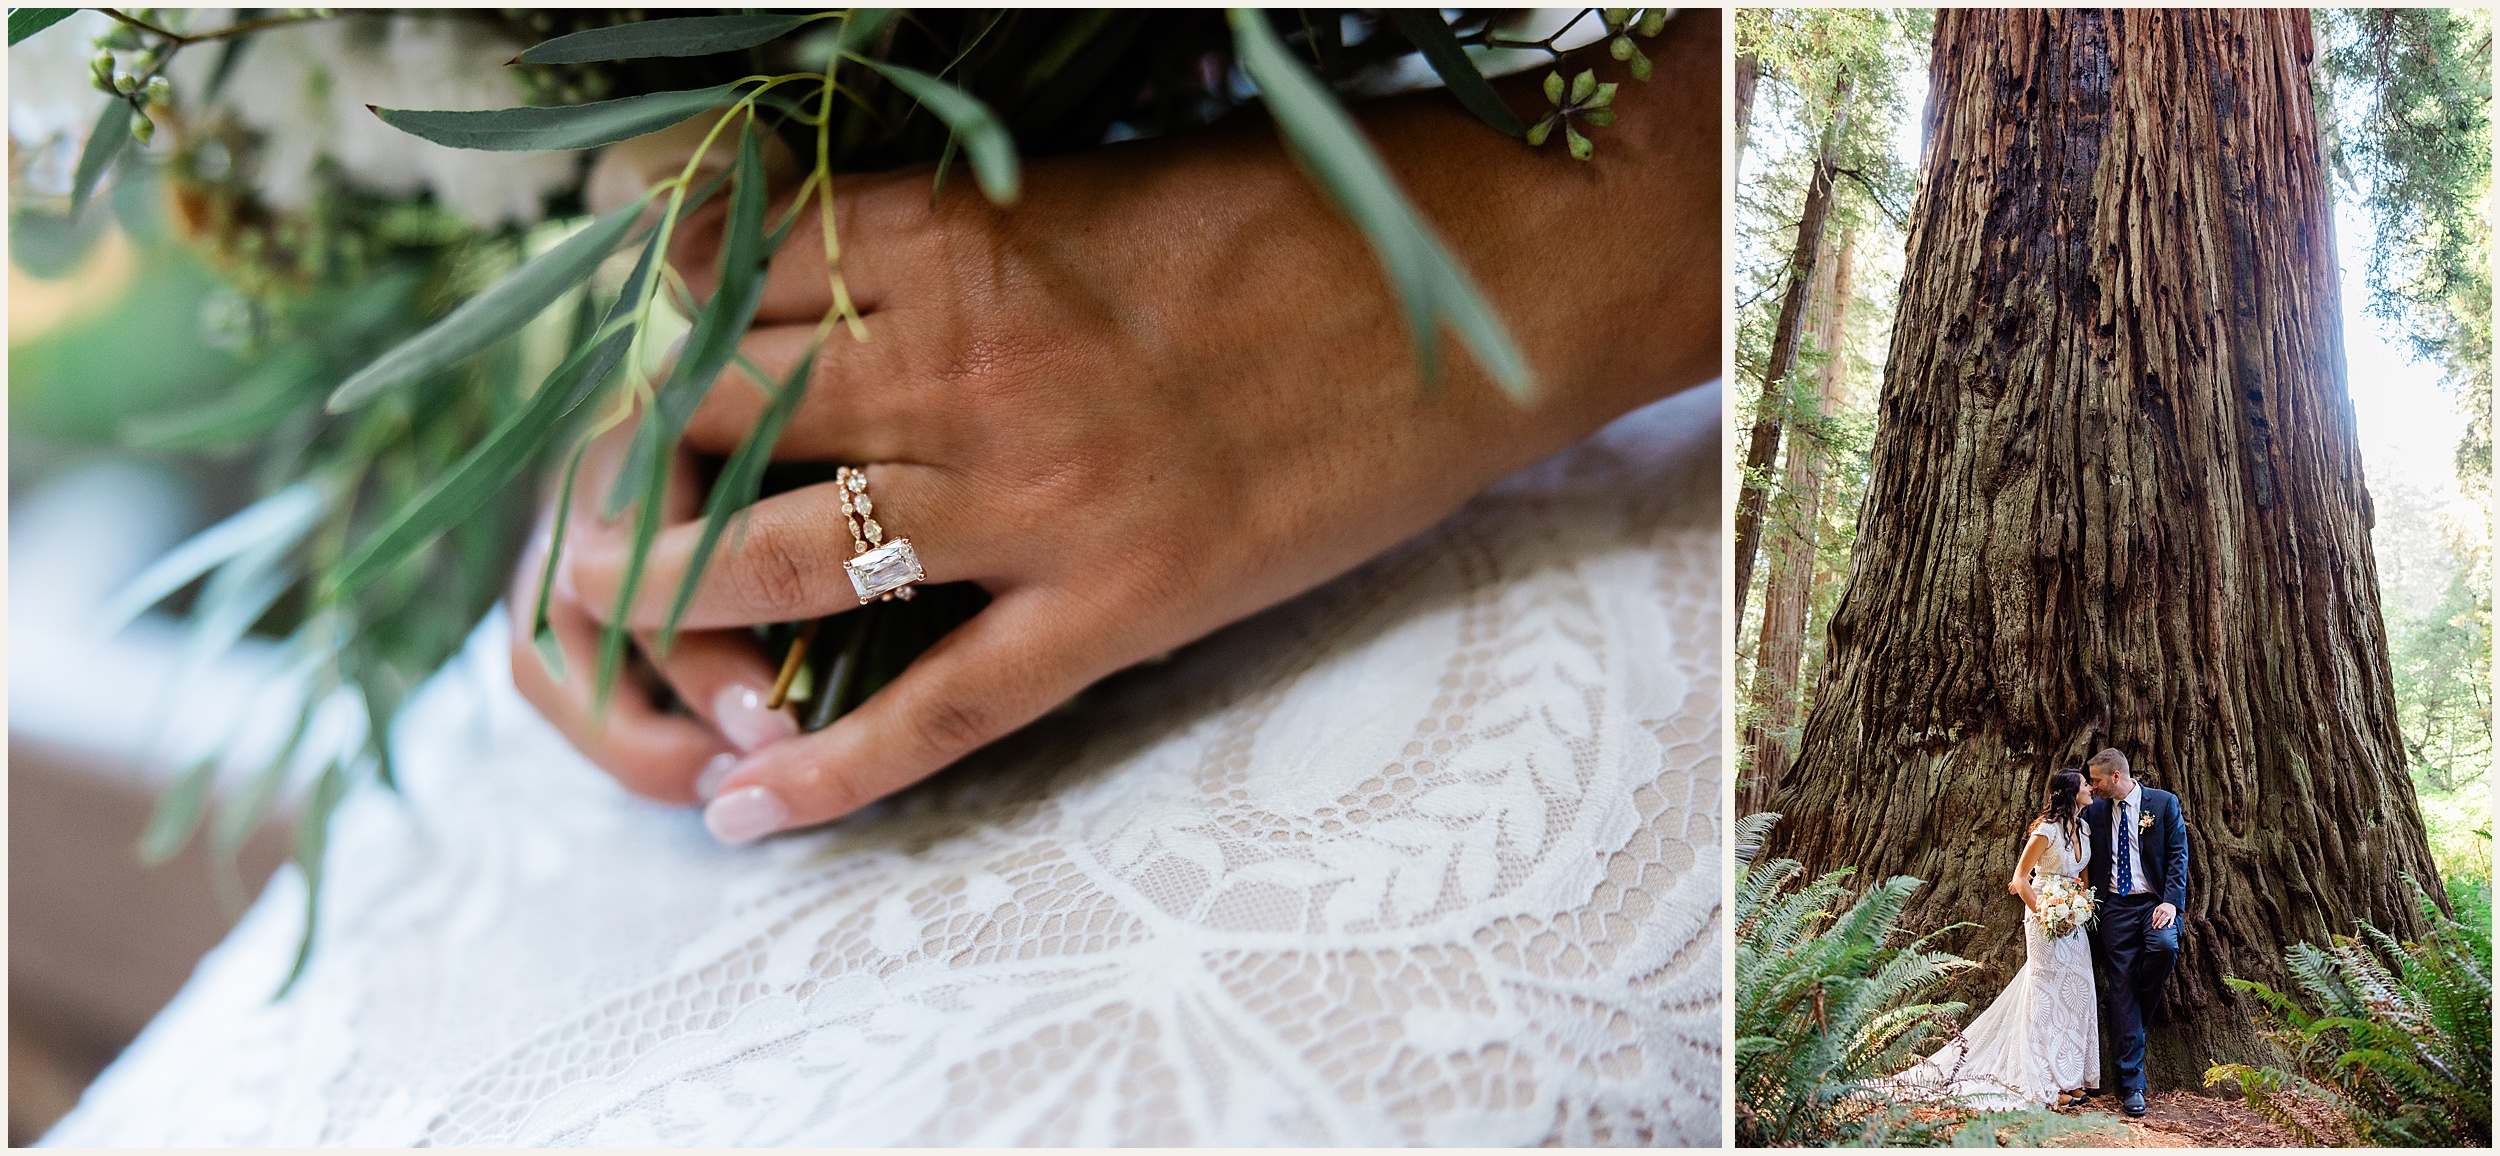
<point x="2144" y="823"/>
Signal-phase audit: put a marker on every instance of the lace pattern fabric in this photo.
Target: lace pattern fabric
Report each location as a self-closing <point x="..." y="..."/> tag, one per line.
<point x="1429" y="855"/>
<point x="2042" y="1035"/>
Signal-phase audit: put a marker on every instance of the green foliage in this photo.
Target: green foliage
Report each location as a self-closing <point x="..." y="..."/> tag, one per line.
<point x="1590" y="103"/>
<point x="493" y="315"/>
<point x="2442" y="656"/>
<point x="1829" y="1005"/>
<point x="668" y="36"/>
<point x="2398" y="1056"/>
<point x="25" y="22"/>
<point x="1433" y="37"/>
<point x="576" y="126"/>
<point x="2404" y="99"/>
<point x="983" y="135"/>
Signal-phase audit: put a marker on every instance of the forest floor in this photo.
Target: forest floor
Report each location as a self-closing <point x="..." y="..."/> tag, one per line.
<point x="2183" y="1119"/>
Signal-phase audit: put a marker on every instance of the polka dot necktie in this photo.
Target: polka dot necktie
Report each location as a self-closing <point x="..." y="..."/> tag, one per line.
<point x="2126" y="870"/>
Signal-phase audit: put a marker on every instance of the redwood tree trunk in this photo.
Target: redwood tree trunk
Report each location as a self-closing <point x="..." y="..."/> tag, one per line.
<point x="1781" y="651"/>
<point x="1762" y="447"/>
<point x="2116" y="499"/>
<point x="1748" y="74"/>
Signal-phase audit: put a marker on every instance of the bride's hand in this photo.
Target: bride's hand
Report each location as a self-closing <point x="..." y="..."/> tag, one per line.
<point x="1168" y="389"/>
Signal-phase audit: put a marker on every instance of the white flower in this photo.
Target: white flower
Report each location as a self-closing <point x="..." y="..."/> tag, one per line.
<point x="305" y="89"/>
<point x="2065" y="905"/>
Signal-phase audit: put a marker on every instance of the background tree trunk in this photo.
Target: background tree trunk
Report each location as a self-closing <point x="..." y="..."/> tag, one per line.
<point x="1781" y="651"/>
<point x="1762" y="447"/>
<point x="1748" y="74"/>
<point x="2116" y="499"/>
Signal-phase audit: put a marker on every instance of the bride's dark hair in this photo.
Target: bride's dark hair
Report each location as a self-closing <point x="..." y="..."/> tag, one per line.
<point x="2065" y="806"/>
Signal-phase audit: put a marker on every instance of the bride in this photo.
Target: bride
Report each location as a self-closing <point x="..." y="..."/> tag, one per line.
<point x="2041" y="1038"/>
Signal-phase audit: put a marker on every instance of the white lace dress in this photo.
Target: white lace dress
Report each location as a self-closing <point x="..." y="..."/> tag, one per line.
<point x="1430" y="855"/>
<point x="2042" y="1036"/>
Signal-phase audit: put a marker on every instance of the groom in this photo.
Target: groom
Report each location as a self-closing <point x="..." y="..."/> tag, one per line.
<point x="2139" y="880"/>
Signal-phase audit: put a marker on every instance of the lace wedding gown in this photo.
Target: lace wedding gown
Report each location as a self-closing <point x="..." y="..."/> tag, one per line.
<point x="2042" y="1036"/>
<point x="1429" y="855"/>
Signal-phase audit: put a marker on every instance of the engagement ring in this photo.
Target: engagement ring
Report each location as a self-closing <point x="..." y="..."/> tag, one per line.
<point x="879" y="569"/>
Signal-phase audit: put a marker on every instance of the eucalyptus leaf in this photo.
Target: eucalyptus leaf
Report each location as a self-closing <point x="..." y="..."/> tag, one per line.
<point x="1425" y="29"/>
<point x="178" y="811"/>
<point x="257" y="404"/>
<point x="741" y="479"/>
<point x="312" y="844"/>
<point x="858" y="27"/>
<point x="240" y="815"/>
<point x="573" y="126"/>
<point x="383" y="692"/>
<point x="984" y="136"/>
<point x="25" y="22"/>
<point x="487" y="469"/>
<point x="278" y="521"/>
<point x="493" y="315"/>
<point x="105" y="142"/>
<point x="669" y="36"/>
<point x="237" y="596"/>
<point x="745" y="254"/>
<point x="718" y="326"/>
<point x="542" y="631"/>
<point x="1430" y="284"/>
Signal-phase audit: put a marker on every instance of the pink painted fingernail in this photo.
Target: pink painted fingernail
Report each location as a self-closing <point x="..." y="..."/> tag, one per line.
<point x="743" y="719"/>
<point x="707" y="784"/>
<point x="745" y="815"/>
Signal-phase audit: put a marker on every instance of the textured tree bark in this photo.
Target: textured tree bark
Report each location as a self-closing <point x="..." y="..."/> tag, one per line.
<point x="1780" y="653"/>
<point x="2116" y="499"/>
<point x="1762" y="448"/>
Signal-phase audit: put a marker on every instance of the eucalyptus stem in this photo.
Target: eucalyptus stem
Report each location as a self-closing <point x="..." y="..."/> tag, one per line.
<point x="184" y="40"/>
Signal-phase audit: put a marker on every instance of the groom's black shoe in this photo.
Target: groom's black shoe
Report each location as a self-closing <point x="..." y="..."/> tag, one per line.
<point x="2133" y="1102"/>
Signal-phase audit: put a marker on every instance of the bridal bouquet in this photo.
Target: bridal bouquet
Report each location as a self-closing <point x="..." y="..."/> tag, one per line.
<point x="2065" y="905"/>
<point x="399" y="204"/>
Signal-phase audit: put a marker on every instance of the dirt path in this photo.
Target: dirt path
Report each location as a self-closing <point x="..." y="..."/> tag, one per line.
<point x="2182" y="1119"/>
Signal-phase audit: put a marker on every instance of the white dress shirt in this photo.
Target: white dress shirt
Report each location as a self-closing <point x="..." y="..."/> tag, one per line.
<point x="2130" y="812"/>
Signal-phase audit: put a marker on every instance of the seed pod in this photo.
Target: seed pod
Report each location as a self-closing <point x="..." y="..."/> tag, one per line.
<point x="125" y="85"/>
<point x="1581" y="149"/>
<point x="1616" y="17"/>
<point x="1653" y="21"/>
<point x="1605" y="95"/>
<point x="1620" y="48"/>
<point x="159" y="91"/>
<point x="1553" y="88"/>
<point x="1540" y="130"/>
<point x="1640" y="67"/>
<point x="1600" y="117"/>
<point x="141" y="128"/>
<point x="1583" y="84"/>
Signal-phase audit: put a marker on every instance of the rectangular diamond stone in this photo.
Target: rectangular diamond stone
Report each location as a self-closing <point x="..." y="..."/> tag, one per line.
<point x="888" y="567"/>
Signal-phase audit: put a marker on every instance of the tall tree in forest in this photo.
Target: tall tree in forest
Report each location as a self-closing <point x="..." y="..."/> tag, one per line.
<point x="2115" y="500"/>
<point x="1780" y="654"/>
<point x="1837" y="65"/>
<point x="1762" y="443"/>
<point x="2409" y="137"/>
<point x="1748" y="74"/>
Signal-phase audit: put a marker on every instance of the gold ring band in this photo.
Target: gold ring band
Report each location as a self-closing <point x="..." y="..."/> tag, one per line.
<point x="879" y="569"/>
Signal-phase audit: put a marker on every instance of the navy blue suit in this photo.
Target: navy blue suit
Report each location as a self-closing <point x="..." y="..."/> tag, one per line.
<point x="2131" y="956"/>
